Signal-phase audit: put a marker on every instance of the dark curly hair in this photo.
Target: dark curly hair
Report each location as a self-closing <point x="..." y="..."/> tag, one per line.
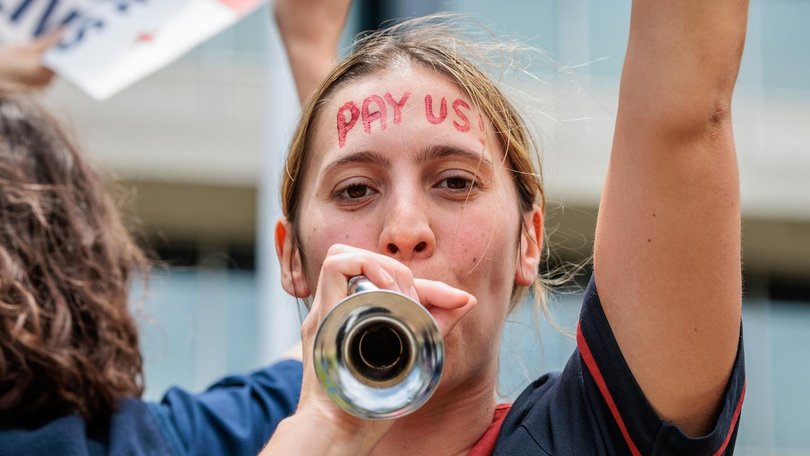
<point x="68" y="343"/>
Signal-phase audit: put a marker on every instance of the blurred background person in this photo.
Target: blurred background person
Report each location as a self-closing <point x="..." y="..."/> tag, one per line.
<point x="71" y="370"/>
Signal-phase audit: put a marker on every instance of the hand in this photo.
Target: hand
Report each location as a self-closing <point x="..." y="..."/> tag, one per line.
<point x="340" y="432"/>
<point x="21" y="67"/>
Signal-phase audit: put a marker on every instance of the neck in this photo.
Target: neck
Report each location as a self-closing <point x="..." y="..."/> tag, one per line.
<point x="449" y="424"/>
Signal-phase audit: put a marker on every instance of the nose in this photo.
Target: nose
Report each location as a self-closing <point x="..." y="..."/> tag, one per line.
<point x="407" y="233"/>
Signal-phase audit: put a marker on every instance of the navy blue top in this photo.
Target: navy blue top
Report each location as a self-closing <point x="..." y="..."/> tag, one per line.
<point x="596" y="407"/>
<point x="593" y="407"/>
<point x="236" y="416"/>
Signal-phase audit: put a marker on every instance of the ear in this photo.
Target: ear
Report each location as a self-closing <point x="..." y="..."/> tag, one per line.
<point x="531" y="247"/>
<point x="289" y="257"/>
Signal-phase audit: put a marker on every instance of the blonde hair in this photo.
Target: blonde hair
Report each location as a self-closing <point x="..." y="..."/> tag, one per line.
<point x="433" y="42"/>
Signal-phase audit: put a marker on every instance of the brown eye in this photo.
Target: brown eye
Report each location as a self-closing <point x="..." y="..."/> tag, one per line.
<point x="356" y="191"/>
<point x="458" y="183"/>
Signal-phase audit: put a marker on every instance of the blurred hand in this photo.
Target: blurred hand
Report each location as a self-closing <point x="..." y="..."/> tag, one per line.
<point x="310" y="30"/>
<point x="21" y="67"/>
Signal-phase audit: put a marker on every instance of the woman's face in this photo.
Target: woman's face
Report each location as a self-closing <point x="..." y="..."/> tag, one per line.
<point x="399" y="166"/>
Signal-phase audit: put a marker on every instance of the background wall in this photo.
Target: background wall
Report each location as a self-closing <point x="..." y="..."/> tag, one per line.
<point x="199" y="146"/>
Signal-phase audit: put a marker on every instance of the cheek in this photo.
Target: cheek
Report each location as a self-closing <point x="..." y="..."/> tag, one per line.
<point x="484" y="246"/>
<point x="320" y="232"/>
<point x="316" y="238"/>
<point x="470" y="246"/>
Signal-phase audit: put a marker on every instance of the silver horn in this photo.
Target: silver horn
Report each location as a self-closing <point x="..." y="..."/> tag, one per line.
<point x="378" y="353"/>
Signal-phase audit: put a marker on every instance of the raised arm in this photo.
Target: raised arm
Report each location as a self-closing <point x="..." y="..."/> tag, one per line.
<point x="310" y="30"/>
<point x="667" y="252"/>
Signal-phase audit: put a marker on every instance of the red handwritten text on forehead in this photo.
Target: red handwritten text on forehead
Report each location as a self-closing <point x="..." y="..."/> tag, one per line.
<point x="370" y="116"/>
<point x="344" y="124"/>
<point x="397" y="105"/>
<point x="431" y="117"/>
<point x="376" y="109"/>
<point x="464" y="124"/>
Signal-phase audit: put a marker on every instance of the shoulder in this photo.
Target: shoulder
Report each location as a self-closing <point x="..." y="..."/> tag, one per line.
<point x="234" y="416"/>
<point x="131" y="430"/>
<point x="595" y="405"/>
<point x="549" y="417"/>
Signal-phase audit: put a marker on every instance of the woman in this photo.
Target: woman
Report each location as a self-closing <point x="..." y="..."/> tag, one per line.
<point x="392" y="175"/>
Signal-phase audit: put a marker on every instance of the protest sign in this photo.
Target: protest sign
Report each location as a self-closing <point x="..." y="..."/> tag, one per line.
<point x="21" y="20"/>
<point x="110" y="44"/>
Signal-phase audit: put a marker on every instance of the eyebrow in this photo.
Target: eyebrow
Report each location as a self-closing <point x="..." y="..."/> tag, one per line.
<point x="427" y="154"/>
<point x="369" y="157"/>
<point x="444" y="151"/>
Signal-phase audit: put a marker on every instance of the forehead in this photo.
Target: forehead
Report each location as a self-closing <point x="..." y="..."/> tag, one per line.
<point x="399" y="78"/>
<point x="407" y="107"/>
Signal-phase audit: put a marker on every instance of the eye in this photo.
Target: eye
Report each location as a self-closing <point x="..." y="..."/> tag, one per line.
<point x="356" y="191"/>
<point x="353" y="192"/>
<point x="457" y="183"/>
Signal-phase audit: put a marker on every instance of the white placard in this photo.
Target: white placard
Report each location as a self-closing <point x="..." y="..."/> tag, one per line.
<point x="21" y="20"/>
<point x="110" y="44"/>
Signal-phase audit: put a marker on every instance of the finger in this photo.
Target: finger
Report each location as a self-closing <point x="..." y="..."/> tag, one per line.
<point x="47" y="40"/>
<point x="447" y="304"/>
<point x="433" y="293"/>
<point x="344" y="262"/>
<point x="338" y="268"/>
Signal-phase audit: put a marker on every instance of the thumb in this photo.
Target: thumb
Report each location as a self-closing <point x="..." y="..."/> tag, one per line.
<point x="446" y="304"/>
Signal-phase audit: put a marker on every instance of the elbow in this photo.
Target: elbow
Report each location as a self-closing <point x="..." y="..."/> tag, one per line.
<point x="698" y="120"/>
<point x="720" y="112"/>
<point x="712" y="123"/>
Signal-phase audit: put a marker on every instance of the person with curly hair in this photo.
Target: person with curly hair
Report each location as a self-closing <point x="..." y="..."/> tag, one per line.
<point x="71" y="373"/>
